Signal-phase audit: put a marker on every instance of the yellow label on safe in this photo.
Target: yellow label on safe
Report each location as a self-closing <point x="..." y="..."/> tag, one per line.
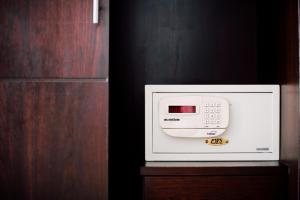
<point x="216" y="141"/>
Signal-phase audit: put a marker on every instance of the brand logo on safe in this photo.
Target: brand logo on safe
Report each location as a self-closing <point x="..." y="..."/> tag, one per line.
<point x="216" y="141"/>
<point x="172" y="119"/>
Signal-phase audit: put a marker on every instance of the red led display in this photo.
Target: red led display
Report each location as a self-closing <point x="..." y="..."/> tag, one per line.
<point x="182" y="109"/>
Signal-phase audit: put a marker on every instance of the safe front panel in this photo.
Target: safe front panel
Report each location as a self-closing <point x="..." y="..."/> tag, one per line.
<point x="252" y="132"/>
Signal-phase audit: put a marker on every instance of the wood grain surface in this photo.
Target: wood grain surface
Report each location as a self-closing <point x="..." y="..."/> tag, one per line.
<point x="53" y="39"/>
<point x="215" y="180"/>
<point x="53" y="138"/>
<point x="289" y="80"/>
<point x="214" y="188"/>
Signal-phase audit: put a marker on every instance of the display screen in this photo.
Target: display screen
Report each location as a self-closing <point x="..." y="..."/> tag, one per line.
<point x="182" y="109"/>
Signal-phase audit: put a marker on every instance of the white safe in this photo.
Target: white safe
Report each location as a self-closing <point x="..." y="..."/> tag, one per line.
<point x="211" y="122"/>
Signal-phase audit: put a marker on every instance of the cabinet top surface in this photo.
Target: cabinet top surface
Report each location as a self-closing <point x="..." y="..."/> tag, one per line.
<point x="213" y="168"/>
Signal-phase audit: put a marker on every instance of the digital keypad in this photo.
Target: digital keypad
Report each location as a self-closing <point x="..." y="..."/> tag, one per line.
<point x="212" y="113"/>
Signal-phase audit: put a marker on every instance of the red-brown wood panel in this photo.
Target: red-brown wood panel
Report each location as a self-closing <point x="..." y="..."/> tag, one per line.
<point x="289" y="80"/>
<point x="53" y="138"/>
<point x="53" y="39"/>
<point x="214" y="188"/>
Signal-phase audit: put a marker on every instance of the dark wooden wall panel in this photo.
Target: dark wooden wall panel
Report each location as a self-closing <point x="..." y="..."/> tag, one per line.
<point x="180" y="42"/>
<point x="289" y="79"/>
<point x="53" y="138"/>
<point x="181" y="37"/>
<point x="53" y="39"/>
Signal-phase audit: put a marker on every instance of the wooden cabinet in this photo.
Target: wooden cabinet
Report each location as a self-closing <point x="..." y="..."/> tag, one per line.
<point x="53" y="140"/>
<point x="215" y="181"/>
<point x="53" y="38"/>
<point x="53" y="100"/>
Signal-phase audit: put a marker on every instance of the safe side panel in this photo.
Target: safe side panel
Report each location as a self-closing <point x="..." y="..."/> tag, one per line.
<point x="215" y="188"/>
<point x="53" y="38"/>
<point x="53" y="139"/>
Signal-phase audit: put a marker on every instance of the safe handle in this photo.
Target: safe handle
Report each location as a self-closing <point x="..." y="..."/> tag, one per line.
<point x="95" y="11"/>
